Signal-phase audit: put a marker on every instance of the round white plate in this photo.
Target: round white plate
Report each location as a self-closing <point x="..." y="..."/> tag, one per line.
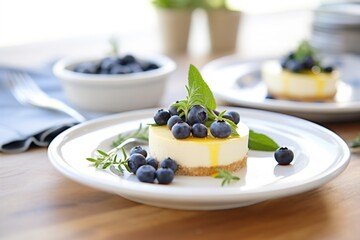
<point x="320" y="155"/>
<point x="239" y="82"/>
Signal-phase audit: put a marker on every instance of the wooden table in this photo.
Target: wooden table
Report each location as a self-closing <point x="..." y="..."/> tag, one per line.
<point x="37" y="202"/>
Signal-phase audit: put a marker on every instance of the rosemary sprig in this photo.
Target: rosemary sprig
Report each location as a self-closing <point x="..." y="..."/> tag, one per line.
<point x="141" y="133"/>
<point x="226" y="176"/>
<point x="110" y="159"/>
<point x="104" y="160"/>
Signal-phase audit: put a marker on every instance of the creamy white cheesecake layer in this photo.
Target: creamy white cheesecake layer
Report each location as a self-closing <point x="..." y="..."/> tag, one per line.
<point x="198" y="152"/>
<point x="285" y="84"/>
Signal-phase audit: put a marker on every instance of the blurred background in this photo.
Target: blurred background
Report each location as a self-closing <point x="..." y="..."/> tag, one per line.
<point x="265" y="27"/>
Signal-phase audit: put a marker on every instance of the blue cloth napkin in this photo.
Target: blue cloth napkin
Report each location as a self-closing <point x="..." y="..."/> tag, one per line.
<point x="24" y="126"/>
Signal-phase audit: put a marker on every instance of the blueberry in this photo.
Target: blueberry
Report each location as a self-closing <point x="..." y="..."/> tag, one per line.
<point x="147" y="66"/>
<point x="285" y="59"/>
<point x="229" y="117"/>
<point x="308" y="62"/>
<point x="293" y="66"/>
<point x="169" y="163"/>
<point x="197" y="114"/>
<point x="119" y="69"/>
<point x="161" y="117"/>
<point x="172" y="120"/>
<point x="220" y="129"/>
<point x="127" y="59"/>
<point x="328" y="69"/>
<point x="135" y="161"/>
<point x="138" y="149"/>
<point x="284" y="156"/>
<point x="107" y="63"/>
<point x="87" y="67"/>
<point x="173" y="110"/>
<point x="152" y="162"/>
<point x="135" y="67"/>
<point x="235" y="116"/>
<point x="181" y="130"/>
<point x="199" y="130"/>
<point x="165" y="175"/>
<point x="146" y="173"/>
<point x="216" y="112"/>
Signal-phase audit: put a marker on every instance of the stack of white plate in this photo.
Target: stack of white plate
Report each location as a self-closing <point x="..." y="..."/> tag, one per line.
<point x="336" y="27"/>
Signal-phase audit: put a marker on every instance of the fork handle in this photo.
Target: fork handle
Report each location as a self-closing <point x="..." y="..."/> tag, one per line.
<point x="62" y="107"/>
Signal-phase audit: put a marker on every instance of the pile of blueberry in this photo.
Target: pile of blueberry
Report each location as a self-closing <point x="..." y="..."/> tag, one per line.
<point x="308" y="62"/>
<point x="195" y="123"/>
<point x="147" y="169"/>
<point x="116" y="65"/>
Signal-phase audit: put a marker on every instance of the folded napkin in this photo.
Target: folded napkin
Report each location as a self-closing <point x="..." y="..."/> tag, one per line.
<point x="24" y="126"/>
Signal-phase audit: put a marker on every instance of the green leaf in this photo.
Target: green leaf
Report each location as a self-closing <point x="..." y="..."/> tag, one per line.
<point x="102" y="153"/>
<point x="261" y="142"/>
<point x="204" y="95"/>
<point x="91" y="159"/>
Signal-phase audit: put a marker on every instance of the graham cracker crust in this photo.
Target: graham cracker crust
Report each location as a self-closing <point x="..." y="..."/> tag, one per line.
<point x="207" y="171"/>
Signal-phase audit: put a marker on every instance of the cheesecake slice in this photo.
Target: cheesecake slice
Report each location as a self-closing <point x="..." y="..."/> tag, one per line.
<point x="200" y="156"/>
<point x="302" y="86"/>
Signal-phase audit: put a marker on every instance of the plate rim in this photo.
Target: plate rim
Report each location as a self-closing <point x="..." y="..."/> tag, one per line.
<point x="227" y="193"/>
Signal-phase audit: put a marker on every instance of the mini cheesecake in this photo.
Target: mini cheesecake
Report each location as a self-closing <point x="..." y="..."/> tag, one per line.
<point x="302" y="86"/>
<point x="200" y="156"/>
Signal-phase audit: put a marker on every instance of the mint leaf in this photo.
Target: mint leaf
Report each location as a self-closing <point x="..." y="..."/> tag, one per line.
<point x="261" y="142"/>
<point x="204" y="95"/>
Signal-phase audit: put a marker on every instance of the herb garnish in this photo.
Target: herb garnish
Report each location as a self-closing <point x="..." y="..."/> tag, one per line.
<point x="141" y="133"/>
<point x="304" y="50"/>
<point x="110" y="159"/>
<point x="261" y="142"/>
<point x="103" y="160"/>
<point x="226" y="176"/>
<point x="199" y="93"/>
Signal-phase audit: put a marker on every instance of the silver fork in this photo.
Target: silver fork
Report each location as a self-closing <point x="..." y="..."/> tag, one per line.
<point x="27" y="92"/>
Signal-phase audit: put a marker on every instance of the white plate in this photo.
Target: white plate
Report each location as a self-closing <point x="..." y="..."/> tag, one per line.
<point x="239" y="82"/>
<point x="320" y="155"/>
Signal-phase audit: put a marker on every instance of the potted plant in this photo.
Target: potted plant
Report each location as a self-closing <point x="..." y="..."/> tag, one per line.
<point x="223" y="24"/>
<point x="174" y="21"/>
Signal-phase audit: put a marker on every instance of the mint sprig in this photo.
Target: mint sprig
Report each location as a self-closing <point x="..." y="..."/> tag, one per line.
<point x="199" y="93"/>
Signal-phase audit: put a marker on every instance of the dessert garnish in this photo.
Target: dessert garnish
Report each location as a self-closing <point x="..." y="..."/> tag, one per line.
<point x="226" y="176"/>
<point x="304" y="60"/>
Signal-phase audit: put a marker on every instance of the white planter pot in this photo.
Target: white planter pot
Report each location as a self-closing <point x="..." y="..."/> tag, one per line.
<point x="223" y="29"/>
<point x="174" y="29"/>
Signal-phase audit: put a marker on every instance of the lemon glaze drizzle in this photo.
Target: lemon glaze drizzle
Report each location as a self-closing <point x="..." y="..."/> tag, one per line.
<point x="213" y="146"/>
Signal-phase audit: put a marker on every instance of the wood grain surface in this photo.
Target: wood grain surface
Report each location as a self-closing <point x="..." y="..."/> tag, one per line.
<point x="37" y="202"/>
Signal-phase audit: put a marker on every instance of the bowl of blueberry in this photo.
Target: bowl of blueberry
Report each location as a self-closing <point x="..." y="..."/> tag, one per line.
<point x="114" y="83"/>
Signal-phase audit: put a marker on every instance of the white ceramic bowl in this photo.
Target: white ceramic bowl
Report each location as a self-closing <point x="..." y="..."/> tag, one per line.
<point x="114" y="92"/>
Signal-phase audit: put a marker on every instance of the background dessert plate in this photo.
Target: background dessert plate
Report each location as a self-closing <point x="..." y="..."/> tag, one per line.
<point x="239" y="82"/>
<point x="320" y="155"/>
